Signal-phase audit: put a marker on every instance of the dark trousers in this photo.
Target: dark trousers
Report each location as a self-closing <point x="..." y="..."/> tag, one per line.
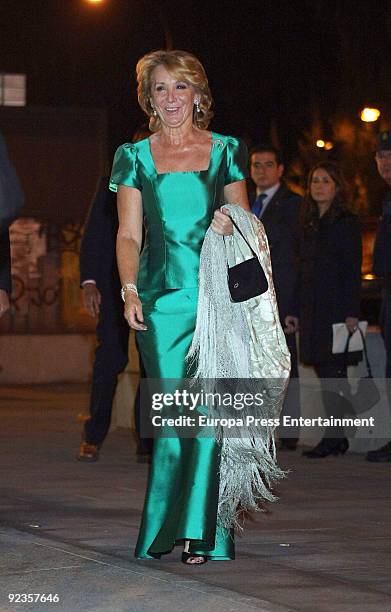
<point x="335" y="394"/>
<point x="291" y="406"/>
<point x="111" y="357"/>
<point x="385" y="323"/>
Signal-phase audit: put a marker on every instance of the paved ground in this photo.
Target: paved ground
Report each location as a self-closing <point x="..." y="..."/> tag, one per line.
<point x="68" y="528"/>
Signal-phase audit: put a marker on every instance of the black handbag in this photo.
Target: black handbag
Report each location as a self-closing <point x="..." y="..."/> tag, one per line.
<point x="352" y="358"/>
<point x="247" y="279"/>
<point x="367" y="394"/>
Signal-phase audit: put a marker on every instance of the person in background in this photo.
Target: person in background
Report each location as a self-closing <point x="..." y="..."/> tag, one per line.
<point x="101" y="295"/>
<point x="100" y="283"/>
<point x="330" y="286"/>
<point x="11" y="193"/>
<point x="5" y="272"/>
<point x="382" y="268"/>
<point x="279" y="208"/>
<point x="11" y="202"/>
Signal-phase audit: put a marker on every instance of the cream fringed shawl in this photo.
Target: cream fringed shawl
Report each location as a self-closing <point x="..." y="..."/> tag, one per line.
<point x="241" y="341"/>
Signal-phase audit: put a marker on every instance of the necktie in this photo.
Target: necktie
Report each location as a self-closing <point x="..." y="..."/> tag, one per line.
<point x="258" y="204"/>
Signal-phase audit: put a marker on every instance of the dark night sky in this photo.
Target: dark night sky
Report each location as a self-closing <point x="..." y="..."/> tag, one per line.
<point x="266" y="61"/>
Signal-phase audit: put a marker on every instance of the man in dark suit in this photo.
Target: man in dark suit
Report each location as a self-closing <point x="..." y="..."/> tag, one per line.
<point x="101" y="285"/>
<point x="382" y="269"/>
<point x="11" y="193"/>
<point x="101" y="295"/>
<point x="11" y="202"/>
<point x="278" y="209"/>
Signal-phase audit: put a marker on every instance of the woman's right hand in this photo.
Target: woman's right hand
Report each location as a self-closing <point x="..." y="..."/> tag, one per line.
<point x="133" y="311"/>
<point x="221" y="223"/>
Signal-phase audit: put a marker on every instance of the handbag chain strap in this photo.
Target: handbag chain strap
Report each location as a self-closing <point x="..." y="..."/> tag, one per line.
<point x="365" y="352"/>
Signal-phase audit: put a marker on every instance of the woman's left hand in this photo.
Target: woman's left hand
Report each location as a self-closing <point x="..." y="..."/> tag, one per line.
<point x="222" y="223"/>
<point x="351" y="323"/>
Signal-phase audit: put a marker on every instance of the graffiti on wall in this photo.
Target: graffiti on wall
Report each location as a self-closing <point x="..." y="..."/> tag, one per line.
<point x="46" y="296"/>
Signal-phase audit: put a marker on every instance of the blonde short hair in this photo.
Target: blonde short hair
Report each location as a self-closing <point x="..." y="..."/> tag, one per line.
<point x="184" y="67"/>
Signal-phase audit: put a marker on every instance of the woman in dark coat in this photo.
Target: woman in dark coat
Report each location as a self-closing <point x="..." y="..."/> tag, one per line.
<point x="330" y="282"/>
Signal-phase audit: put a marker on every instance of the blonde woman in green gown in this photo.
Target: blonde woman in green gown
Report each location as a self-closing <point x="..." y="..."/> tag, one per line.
<point x="175" y="183"/>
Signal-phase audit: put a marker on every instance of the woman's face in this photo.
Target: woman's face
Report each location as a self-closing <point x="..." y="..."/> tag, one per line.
<point x="173" y="100"/>
<point x="323" y="188"/>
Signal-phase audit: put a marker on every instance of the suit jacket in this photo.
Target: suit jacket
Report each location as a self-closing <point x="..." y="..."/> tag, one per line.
<point x="97" y="251"/>
<point x="281" y="221"/>
<point x="5" y="262"/>
<point x="11" y="194"/>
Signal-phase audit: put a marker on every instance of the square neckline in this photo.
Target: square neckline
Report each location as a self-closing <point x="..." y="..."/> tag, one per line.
<point x="213" y="140"/>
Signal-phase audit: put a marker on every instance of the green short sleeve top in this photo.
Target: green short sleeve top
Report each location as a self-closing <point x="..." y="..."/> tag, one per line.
<point x="178" y="207"/>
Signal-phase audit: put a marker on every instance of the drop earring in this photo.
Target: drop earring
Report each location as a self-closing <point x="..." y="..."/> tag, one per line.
<point x="197" y="105"/>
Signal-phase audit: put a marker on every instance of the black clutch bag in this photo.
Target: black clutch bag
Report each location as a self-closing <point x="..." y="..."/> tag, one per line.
<point x="247" y="279"/>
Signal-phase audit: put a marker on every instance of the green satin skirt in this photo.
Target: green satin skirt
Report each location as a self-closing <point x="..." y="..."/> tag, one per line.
<point x="182" y="494"/>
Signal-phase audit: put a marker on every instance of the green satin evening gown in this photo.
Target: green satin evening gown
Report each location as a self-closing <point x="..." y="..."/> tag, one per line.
<point x="182" y="494"/>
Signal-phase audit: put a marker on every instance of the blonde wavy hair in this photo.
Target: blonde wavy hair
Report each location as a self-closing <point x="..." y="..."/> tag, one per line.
<point x="182" y="66"/>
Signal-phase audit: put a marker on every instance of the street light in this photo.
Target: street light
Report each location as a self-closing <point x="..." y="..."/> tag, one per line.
<point x="153" y="9"/>
<point x="369" y="115"/>
<point x="324" y="144"/>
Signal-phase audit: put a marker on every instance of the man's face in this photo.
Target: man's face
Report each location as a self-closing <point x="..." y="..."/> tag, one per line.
<point x="265" y="171"/>
<point x="383" y="160"/>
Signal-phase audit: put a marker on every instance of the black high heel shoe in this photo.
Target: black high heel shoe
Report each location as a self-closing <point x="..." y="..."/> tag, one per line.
<point x="188" y="555"/>
<point x="326" y="447"/>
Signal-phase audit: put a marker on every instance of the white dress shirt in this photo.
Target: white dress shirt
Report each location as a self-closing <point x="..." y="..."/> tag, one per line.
<point x="269" y="195"/>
